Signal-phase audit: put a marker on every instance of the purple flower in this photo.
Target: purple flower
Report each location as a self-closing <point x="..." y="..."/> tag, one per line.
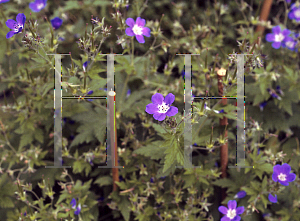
<point x="90" y="92"/>
<point x="288" y="1"/>
<point x="37" y="5"/>
<point x="262" y="105"/>
<point x="282" y="174"/>
<point x="16" y="26"/>
<point x="273" y="93"/>
<point x="240" y="194"/>
<point x="232" y="212"/>
<point x="78" y="208"/>
<point x="277" y="37"/>
<point x="161" y="107"/>
<point x="56" y="22"/>
<point x="278" y="90"/>
<point x="128" y="93"/>
<point x="3" y="1"/>
<point x="290" y="43"/>
<point x="84" y="66"/>
<point x="272" y="199"/>
<point x="295" y="13"/>
<point x="152" y="180"/>
<point x="137" y="29"/>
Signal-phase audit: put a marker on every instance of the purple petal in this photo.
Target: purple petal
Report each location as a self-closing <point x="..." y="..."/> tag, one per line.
<point x="172" y="111"/>
<point x="240" y="210"/>
<point x="276" y="29"/>
<point x="270" y="37"/>
<point x="157" y="98"/>
<point x="291" y="15"/>
<point x="225" y="218"/>
<point x="291" y="177"/>
<point x="170" y="98"/>
<point x="73" y="203"/>
<point x="285" y="168"/>
<point x="223" y="210"/>
<point x="151" y="108"/>
<point x="231" y="204"/>
<point x="275" y="177"/>
<point x="277" y="169"/>
<point x="10" y="23"/>
<point x="286" y="32"/>
<point x="236" y="218"/>
<point x="140" y="22"/>
<point x="130" y="22"/>
<point x="276" y="45"/>
<point x="283" y="183"/>
<point x="159" y="116"/>
<point x="21" y="18"/>
<point x="129" y="32"/>
<point x="272" y="199"/>
<point x="10" y="34"/>
<point x="140" y="39"/>
<point x="3" y="1"/>
<point x="56" y="22"/>
<point x="146" y="31"/>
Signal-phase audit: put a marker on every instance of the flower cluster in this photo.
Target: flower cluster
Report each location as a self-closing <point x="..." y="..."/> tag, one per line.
<point x="282" y="38"/>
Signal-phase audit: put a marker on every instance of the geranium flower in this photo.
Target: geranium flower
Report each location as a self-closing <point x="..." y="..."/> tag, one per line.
<point x="78" y="208"/>
<point x="290" y="43"/>
<point x="282" y="174"/>
<point x="84" y="66"/>
<point x="240" y="194"/>
<point x="295" y="12"/>
<point x="262" y="105"/>
<point x="272" y="199"/>
<point x="37" y="5"/>
<point x="56" y="22"/>
<point x="161" y="107"/>
<point x="16" y="26"/>
<point x="3" y="1"/>
<point x="232" y="212"/>
<point x="277" y="37"/>
<point x="137" y="29"/>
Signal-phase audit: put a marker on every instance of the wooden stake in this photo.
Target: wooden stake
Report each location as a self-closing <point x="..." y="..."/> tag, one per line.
<point x="113" y="137"/>
<point x="223" y="122"/>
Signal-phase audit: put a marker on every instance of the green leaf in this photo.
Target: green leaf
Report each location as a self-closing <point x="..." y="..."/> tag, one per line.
<point x="38" y="135"/>
<point x="154" y="150"/>
<point x="104" y="181"/>
<point x="46" y="88"/>
<point x="122" y="185"/>
<point x="124" y="207"/>
<point x="159" y="128"/>
<point x="264" y="200"/>
<point x="26" y="139"/>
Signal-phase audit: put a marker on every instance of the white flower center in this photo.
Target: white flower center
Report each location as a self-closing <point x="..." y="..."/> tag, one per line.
<point x="297" y="13"/>
<point x="231" y="213"/>
<point x="282" y="177"/>
<point x="17" y="27"/>
<point x="289" y="44"/>
<point x="137" y="30"/>
<point x="39" y="6"/>
<point x="163" y="108"/>
<point x="279" y="37"/>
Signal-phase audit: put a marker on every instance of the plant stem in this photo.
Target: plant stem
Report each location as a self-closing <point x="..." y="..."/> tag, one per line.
<point x="132" y="53"/>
